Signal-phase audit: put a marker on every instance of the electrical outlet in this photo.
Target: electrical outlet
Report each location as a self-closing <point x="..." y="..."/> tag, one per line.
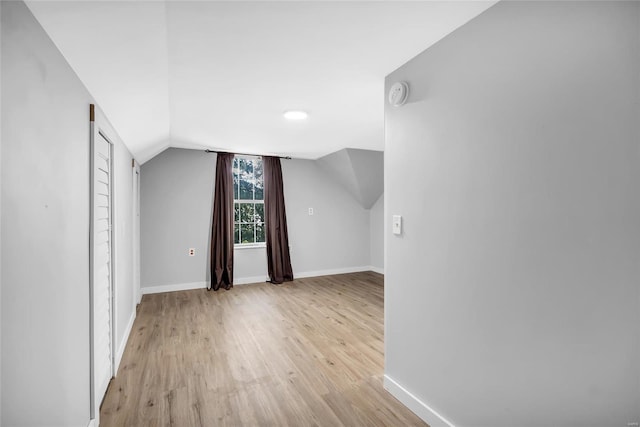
<point x="632" y="424"/>
<point x="310" y="211"/>
<point x="192" y="251"/>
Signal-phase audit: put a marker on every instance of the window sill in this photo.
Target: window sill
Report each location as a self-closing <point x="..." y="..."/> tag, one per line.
<point x="250" y="246"/>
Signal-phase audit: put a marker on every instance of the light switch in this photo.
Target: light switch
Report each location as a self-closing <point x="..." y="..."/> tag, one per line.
<point x="397" y="224"/>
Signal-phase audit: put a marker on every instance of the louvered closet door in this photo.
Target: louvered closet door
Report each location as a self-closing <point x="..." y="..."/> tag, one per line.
<point x="102" y="265"/>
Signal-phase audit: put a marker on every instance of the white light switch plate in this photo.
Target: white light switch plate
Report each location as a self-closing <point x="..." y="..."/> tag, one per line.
<point x="397" y="224"/>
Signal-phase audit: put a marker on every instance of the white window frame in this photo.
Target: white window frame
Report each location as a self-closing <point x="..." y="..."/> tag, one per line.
<point x="254" y="201"/>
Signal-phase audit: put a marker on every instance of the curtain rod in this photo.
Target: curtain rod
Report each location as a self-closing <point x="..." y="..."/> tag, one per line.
<point x="245" y="154"/>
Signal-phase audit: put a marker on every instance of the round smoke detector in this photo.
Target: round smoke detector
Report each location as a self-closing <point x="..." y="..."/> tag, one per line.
<point x="398" y="94"/>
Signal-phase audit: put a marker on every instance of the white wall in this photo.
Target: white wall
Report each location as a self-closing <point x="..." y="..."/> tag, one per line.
<point x="176" y="198"/>
<point x="45" y="230"/>
<point x="376" y="235"/>
<point x="512" y="298"/>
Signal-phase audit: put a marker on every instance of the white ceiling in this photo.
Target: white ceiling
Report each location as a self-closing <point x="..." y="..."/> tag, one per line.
<point x="220" y="74"/>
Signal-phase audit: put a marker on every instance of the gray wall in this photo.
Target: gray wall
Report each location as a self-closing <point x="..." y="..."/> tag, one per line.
<point x="376" y="235"/>
<point x="360" y="172"/>
<point x="176" y="197"/>
<point x="175" y="215"/>
<point x="512" y="298"/>
<point x="336" y="236"/>
<point x="45" y="230"/>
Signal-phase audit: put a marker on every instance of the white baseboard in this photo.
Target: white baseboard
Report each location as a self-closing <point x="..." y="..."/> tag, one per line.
<point x="418" y="407"/>
<point x="376" y="269"/>
<point x="247" y="280"/>
<point x="123" y="343"/>
<point x="172" y="288"/>
<point x="255" y="279"/>
<point x="303" y="274"/>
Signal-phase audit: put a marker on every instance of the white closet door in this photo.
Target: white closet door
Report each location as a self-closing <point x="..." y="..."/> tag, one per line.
<point x="102" y="250"/>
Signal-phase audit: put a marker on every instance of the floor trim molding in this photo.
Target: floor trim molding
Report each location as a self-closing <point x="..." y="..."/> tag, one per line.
<point x="172" y="288"/>
<point x="247" y="280"/>
<point x="255" y="279"/>
<point x="303" y="274"/>
<point x="376" y="269"/>
<point x="123" y="344"/>
<point x="418" y="407"/>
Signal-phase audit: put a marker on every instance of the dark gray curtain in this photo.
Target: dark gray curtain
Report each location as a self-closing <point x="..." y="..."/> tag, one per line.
<point x="278" y="259"/>
<point x="222" y="226"/>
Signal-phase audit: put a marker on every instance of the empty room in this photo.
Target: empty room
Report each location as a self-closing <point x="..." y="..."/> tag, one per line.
<point x="320" y="213"/>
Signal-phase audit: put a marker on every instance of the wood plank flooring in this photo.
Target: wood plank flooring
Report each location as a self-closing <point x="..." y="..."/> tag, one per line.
<point x="305" y="353"/>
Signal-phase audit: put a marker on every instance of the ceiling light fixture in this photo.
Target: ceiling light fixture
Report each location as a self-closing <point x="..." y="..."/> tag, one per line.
<point x="295" y="115"/>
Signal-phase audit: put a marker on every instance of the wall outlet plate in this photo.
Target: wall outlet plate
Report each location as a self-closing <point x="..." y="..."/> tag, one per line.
<point x="192" y="251"/>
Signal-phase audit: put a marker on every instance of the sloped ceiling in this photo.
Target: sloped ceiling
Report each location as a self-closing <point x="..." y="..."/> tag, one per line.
<point x="360" y="172"/>
<point x="220" y="74"/>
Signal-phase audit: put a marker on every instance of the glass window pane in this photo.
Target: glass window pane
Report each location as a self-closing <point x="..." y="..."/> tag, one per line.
<point x="236" y="212"/>
<point x="236" y="233"/>
<point x="235" y="186"/>
<point x="259" y="215"/>
<point x="246" y="212"/>
<point x="260" y="232"/>
<point x="248" y="166"/>
<point x="246" y="187"/>
<point x="246" y="233"/>
<point x="259" y="180"/>
<point x="236" y="171"/>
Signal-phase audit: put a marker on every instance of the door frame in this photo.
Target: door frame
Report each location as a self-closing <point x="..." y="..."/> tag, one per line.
<point x="136" y="233"/>
<point x="98" y="131"/>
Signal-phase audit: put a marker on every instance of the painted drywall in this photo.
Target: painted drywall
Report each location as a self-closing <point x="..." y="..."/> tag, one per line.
<point x="336" y="236"/>
<point x="176" y="197"/>
<point x="360" y="172"/>
<point x="368" y="166"/>
<point x="376" y="235"/>
<point x="45" y="229"/>
<point x="512" y="296"/>
<point x="175" y="215"/>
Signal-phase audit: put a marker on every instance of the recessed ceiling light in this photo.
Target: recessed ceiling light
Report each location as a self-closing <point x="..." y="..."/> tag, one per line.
<point x="295" y="115"/>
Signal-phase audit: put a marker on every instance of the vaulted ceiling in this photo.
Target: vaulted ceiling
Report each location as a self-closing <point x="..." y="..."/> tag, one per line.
<point x="220" y="74"/>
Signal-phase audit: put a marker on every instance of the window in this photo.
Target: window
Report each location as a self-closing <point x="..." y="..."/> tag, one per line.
<point x="248" y="203"/>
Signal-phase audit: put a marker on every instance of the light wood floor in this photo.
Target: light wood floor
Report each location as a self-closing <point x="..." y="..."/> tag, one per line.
<point x="306" y="353"/>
